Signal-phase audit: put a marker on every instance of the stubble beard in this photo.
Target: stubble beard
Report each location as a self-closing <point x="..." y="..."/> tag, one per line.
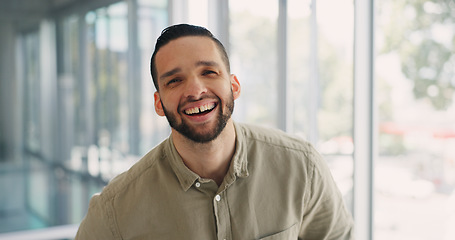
<point x="192" y="134"/>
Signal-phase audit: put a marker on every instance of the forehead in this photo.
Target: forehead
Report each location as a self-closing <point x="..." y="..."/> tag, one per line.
<point x="186" y="50"/>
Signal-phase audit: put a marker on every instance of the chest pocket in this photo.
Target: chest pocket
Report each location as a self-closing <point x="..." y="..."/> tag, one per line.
<point x="290" y="233"/>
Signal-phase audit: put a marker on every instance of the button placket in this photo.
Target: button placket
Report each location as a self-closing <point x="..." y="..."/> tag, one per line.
<point x="222" y="216"/>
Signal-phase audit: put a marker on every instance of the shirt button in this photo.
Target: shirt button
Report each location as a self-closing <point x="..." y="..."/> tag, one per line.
<point x="198" y="184"/>
<point x="217" y="198"/>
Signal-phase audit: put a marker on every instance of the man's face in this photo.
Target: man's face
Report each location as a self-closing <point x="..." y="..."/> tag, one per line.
<point x="196" y="93"/>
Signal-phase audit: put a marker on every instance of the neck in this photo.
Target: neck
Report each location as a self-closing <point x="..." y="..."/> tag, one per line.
<point x="209" y="160"/>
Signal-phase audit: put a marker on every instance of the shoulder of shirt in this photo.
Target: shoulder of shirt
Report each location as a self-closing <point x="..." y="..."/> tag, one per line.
<point x="278" y="140"/>
<point x="274" y="137"/>
<point x="121" y="182"/>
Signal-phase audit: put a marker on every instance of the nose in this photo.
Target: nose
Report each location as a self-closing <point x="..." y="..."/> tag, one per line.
<point x="195" y="88"/>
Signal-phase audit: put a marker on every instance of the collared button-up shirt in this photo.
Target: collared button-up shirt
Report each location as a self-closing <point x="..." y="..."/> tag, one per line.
<point x="277" y="187"/>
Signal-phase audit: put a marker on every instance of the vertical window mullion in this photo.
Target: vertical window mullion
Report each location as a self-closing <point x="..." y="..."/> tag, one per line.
<point x="363" y="118"/>
<point x="284" y="118"/>
<point x="218" y="20"/>
<point x="314" y="90"/>
<point x="134" y="88"/>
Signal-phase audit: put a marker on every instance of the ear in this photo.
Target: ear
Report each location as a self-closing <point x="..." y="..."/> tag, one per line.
<point x="158" y="104"/>
<point x="235" y="86"/>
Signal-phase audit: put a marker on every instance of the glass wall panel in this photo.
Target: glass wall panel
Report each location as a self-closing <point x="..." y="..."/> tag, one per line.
<point x="16" y="210"/>
<point x="114" y="96"/>
<point x="38" y="192"/>
<point x="320" y="74"/>
<point x="32" y="96"/>
<point x="253" y="53"/>
<point x="301" y="54"/>
<point x="152" y="20"/>
<point x="70" y="89"/>
<point x="334" y="88"/>
<point x="68" y="175"/>
<point x="198" y="13"/>
<point x="415" y="170"/>
<point x="94" y="103"/>
<point x="34" y="213"/>
<point x="109" y="79"/>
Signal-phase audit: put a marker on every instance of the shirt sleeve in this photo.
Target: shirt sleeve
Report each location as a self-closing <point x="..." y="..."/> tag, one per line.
<point x="325" y="214"/>
<point x="98" y="223"/>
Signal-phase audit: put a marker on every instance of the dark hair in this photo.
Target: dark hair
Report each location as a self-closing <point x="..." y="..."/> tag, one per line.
<point x="182" y="30"/>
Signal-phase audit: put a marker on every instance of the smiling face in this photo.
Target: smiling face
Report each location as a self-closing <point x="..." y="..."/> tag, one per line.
<point x="196" y="91"/>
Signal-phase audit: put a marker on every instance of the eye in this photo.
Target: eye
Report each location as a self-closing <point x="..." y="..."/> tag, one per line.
<point x="209" y="72"/>
<point x="173" y="81"/>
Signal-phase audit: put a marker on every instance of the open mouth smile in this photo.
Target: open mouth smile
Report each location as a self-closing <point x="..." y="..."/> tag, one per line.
<point x="206" y="108"/>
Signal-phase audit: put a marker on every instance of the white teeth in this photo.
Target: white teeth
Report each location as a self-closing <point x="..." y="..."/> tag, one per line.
<point x="192" y="110"/>
<point x="203" y="108"/>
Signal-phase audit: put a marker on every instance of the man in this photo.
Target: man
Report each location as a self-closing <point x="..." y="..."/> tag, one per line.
<point x="213" y="178"/>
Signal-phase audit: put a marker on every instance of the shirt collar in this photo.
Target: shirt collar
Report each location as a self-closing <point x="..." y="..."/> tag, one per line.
<point x="240" y="159"/>
<point x="186" y="177"/>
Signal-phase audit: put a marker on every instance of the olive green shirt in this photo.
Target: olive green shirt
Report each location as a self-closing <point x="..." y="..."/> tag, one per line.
<point x="277" y="187"/>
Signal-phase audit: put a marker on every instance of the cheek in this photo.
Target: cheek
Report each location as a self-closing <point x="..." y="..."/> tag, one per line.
<point x="223" y="89"/>
<point x="171" y="103"/>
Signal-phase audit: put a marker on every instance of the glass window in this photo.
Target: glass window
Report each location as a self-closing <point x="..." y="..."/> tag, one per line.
<point x="71" y="103"/>
<point x="198" y="12"/>
<point x="333" y="90"/>
<point x="32" y="96"/>
<point x="19" y="211"/>
<point x="253" y="55"/>
<point x="415" y="170"/>
<point x="97" y="104"/>
<point x="319" y="68"/>
<point x="122" y="89"/>
<point x="157" y="4"/>
<point x="301" y="54"/>
<point x="153" y="128"/>
<point x="109" y="83"/>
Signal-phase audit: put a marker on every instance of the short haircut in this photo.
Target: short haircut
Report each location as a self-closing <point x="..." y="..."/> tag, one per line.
<point x="183" y="30"/>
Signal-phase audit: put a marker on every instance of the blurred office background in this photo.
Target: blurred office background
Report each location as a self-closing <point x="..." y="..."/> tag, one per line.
<point x="370" y="83"/>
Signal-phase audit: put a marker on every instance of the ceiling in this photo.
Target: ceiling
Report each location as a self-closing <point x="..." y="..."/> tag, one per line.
<point x="30" y="8"/>
<point x="23" y="13"/>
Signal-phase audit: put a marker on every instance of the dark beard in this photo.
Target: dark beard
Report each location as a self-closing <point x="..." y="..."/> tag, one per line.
<point x="184" y="129"/>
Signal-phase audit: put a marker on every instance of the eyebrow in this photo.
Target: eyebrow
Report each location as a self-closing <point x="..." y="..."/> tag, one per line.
<point x="207" y="63"/>
<point x="170" y="73"/>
